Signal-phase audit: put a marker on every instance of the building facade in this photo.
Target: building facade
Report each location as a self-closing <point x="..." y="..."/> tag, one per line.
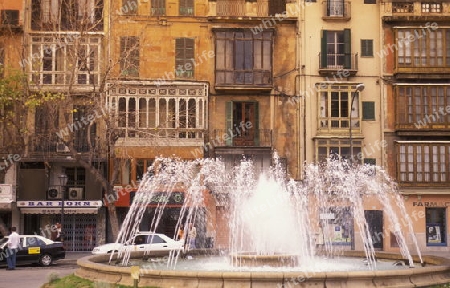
<point x="415" y="50"/>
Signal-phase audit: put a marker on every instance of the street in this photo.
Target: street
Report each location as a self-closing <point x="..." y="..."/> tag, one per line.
<point x="34" y="276"/>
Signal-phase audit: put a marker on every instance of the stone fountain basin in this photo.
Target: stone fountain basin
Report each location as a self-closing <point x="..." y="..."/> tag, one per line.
<point x="436" y="271"/>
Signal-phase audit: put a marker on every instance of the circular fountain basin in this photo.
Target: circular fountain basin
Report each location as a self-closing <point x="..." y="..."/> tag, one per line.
<point x="436" y="271"/>
<point x="253" y="259"/>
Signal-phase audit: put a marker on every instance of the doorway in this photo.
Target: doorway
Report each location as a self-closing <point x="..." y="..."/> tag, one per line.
<point x="374" y="219"/>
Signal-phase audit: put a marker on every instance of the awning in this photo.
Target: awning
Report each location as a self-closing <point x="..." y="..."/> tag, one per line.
<point x="51" y="210"/>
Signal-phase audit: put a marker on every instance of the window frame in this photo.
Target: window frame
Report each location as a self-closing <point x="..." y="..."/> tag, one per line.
<point x="184" y="57"/>
<point x="367" y="48"/>
<point x="244" y="58"/>
<point x="186" y="8"/>
<point x="423" y="163"/>
<point x="325" y="108"/>
<point x="342" y="58"/>
<point x="158" y="8"/>
<point x="129" y="56"/>
<point x="366" y="116"/>
<point x="331" y="143"/>
<point x="53" y="67"/>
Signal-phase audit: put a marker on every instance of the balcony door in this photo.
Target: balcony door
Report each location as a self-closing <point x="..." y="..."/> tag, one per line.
<point x="242" y="123"/>
<point x="335" y="8"/>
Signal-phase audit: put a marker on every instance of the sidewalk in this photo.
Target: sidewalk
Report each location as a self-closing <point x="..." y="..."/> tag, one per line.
<point x="72" y="257"/>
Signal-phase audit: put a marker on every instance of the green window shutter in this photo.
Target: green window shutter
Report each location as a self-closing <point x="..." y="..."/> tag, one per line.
<point x="367" y="47"/>
<point x="229" y="121"/>
<point x="255" y="126"/>
<point x="368" y="110"/>
<point x="323" y="50"/>
<point x="347" y="49"/>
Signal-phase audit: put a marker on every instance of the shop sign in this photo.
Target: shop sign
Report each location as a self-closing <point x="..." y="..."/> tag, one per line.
<point x="174" y="198"/>
<point x="431" y="204"/>
<point x="59" y="203"/>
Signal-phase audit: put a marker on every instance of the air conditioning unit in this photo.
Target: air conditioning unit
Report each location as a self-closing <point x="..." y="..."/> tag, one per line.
<point x="54" y="193"/>
<point x="6" y="192"/>
<point x="76" y="193"/>
<point x="61" y="147"/>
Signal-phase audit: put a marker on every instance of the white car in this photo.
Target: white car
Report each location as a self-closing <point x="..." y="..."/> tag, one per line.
<point x="143" y="241"/>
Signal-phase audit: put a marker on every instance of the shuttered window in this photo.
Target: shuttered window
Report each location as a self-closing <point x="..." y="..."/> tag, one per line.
<point x="186" y="7"/>
<point x="366" y="47"/>
<point x="336" y="49"/>
<point x="129" y="55"/>
<point x="368" y="110"/>
<point x="184" y="57"/>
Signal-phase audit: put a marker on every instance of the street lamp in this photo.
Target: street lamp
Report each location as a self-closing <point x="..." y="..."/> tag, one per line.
<point x="62" y="182"/>
<point x="359" y="88"/>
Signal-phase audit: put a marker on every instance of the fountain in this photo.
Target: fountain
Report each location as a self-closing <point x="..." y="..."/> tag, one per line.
<point x="272" y="224"/>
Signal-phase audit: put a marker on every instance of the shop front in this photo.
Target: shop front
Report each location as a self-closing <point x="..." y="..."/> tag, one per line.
<point x="429" y="215"/>
<point x="81" y="224"/>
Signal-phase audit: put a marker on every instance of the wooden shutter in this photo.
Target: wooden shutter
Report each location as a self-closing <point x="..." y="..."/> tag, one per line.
<point x="368" y="110"/>
<point x="323" y="50"/>
<point x="347" y="49"/>
<point x="229" y="121"/>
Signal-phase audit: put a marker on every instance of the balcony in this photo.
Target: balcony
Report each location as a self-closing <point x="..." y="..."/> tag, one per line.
<point x="239" y="8"/>
<point x="43" y="144"/>
<point x="249" y="138"/>
<point x="338" y="64"/>
<point x="333" y="10"/>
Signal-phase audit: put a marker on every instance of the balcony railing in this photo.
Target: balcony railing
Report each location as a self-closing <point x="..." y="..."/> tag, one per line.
<point x="338" y="62"/>
<point x="52" y="144"/>
<point x="173" y="133"/>
<point x="258" y="8"/>
<point x="334" y="10"/>
<point x="252" y="137"/>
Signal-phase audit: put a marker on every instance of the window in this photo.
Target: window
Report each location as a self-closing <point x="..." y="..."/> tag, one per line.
<point x="57" y="56"/>
<point x="423" y="106"/>
<point x="242" y="119"/>
<point x="401" y="7"/>
<point x="368" y="110"/>
<point x="155" y="239"/>
<point x="129" y="7"/>
<point x="327" y="148"/>
<point x="335" y="8"/>
<point x="436" y="226"/>
<point x="370" y="1"/>
<point x="366" y="47"/>
<point x="86" y="10"/>
<point x="176" y="112"/>
<point x="67" y="15"/>
<point x="142" y="166"/>
<point x="82" y="129"/>
<point x="129" y="56"/>
<point x="336" y="49"/>
<point x="431" y="7"/>
<point x="10" y="17"/>
<point x="158" y="8"/>
<point x="243" y="58"/>
<point x="45" y="120"/>
<point x="275" y="6"/>
<point x="186" y="7"/>
<point x="50" y="11"/>
<point x="426" y="163"/>
<point x="423" y="47"/>
<point x="184" y="57"/>
<point x="335" y="103"/>
<point x="76" y="176"/>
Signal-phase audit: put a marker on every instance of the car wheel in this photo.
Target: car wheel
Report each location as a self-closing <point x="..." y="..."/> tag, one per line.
<point x="46" y="260"/>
